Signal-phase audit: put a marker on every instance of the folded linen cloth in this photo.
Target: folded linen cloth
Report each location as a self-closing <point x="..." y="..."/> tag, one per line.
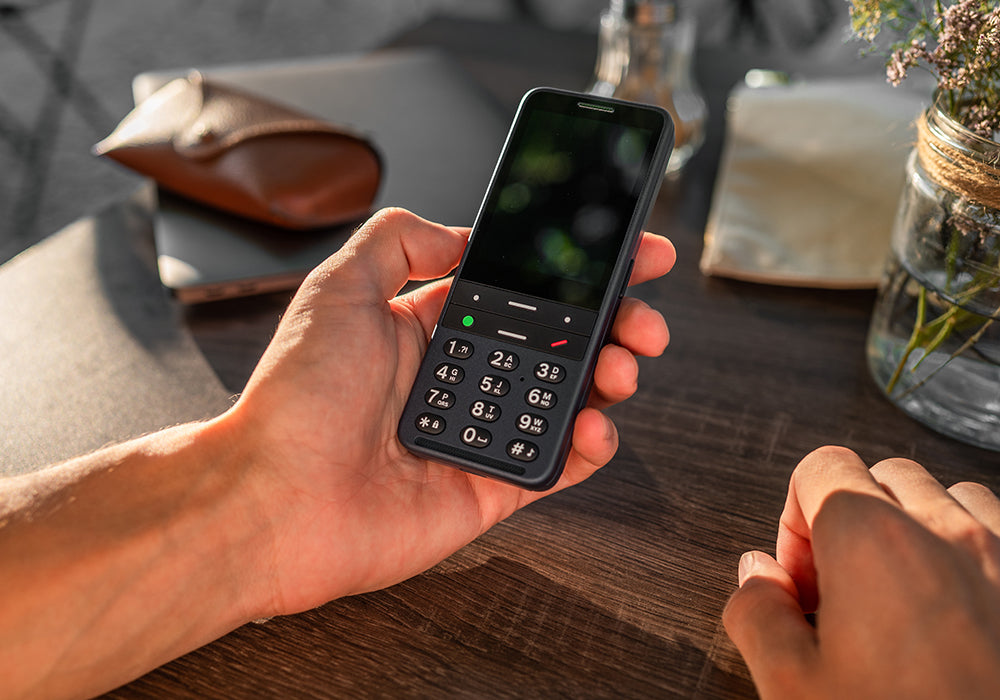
<point x="809" y="182"/>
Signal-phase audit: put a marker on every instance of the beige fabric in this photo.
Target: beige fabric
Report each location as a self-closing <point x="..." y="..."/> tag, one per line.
<point x="809" y="182"/>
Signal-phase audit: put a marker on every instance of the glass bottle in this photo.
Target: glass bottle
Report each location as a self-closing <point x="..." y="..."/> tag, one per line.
<point x="644" y="54"/>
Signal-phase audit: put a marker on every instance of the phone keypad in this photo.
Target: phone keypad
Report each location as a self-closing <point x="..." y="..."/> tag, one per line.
<point x="493" y="387"/>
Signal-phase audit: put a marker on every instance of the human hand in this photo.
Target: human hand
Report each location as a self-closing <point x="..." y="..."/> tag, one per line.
<point x="904" y="576"/>
<point x="349" y="508"/>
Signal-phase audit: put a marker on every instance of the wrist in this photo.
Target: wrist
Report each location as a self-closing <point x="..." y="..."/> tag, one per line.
<point x="241" y="541"/>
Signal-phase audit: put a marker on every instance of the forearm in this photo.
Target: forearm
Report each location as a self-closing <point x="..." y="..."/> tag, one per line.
<point x="117" y="562"/>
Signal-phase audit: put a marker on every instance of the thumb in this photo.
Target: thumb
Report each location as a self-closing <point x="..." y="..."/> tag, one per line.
<point x="391" y="248"/>
<point x="765" y="622"/>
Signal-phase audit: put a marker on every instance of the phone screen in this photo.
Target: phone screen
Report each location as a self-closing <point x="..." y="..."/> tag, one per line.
<point x="560" y="208"/>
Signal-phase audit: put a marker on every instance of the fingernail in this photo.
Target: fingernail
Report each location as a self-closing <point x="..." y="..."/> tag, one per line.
<point x="748" y="565"/>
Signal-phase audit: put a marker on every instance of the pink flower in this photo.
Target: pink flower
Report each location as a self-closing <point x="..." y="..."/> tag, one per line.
<point x="959" y="42"/>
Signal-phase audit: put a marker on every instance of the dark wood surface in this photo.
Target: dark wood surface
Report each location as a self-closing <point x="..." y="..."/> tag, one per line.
<point x="613" y="588"/>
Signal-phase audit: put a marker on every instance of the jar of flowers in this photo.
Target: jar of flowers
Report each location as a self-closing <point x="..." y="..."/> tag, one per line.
<point x="934" y="341"/>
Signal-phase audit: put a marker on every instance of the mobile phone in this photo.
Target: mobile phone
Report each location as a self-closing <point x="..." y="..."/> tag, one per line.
<point x="511" y="359"/>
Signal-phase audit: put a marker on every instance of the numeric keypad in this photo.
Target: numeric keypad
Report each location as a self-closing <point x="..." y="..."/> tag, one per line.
<point x="479" y="385"/>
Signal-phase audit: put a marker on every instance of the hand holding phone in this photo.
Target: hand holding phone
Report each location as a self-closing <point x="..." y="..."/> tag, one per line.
<point x="511" y="360"/>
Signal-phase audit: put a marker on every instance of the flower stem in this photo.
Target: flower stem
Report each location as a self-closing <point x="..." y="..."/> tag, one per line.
<point x="914" y="340"/>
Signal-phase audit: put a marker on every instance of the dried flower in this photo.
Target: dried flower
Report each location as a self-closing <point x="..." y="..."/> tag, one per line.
<point x="958" y="42"/>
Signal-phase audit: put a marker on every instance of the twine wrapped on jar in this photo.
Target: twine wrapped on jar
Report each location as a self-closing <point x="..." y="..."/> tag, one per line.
<point x="954" y="161"/>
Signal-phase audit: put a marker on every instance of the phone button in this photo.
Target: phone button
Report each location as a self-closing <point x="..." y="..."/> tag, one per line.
<point x="540" y="398"/>
<point x="484" y="411"/>
<point x="550" y="372"/>
<point x="494" y="386"/>
<point x="439" y="398"/>
<point x="459" y="349"/>
<point x="531" y="424"/>
<point x="476" y="437"/>
<point x="522" y="450"/>
<point x="628" y="278"/>
<point x="430" y="424"/>
<point x="449" y="373"/>
<point x="501" y="359"/>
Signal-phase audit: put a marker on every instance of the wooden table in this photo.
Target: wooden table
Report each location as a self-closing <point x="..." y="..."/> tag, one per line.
<point x="613" y="588"/>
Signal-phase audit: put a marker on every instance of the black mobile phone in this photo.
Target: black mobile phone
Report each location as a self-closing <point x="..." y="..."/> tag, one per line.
<point x="511" y="360"/>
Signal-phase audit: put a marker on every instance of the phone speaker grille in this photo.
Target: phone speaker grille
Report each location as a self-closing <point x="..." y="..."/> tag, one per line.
<point x="599" y="108"/>
<point x="455" y="452"/>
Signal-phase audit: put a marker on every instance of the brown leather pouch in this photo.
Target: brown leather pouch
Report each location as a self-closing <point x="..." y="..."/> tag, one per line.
<point x="247" y="155"/>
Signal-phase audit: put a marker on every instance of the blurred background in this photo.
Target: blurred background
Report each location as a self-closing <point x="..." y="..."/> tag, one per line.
<point x="66" y="67"/>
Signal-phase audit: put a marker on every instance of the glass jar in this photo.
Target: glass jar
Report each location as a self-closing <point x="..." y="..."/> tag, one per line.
<point x="934" y="340"/>
<point x="644" y="54"/>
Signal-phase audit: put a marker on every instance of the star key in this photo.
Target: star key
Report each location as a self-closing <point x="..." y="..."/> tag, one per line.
<point x="430" y="424"/>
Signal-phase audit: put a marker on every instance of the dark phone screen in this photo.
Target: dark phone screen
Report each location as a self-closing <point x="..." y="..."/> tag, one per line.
<point x="562" y="201"/>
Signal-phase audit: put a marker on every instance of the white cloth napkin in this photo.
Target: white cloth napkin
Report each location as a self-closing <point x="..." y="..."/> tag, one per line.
<point x="809" y="182"/>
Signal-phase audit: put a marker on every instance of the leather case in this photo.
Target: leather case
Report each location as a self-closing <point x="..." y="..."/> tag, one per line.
<point x="247" y="155"/>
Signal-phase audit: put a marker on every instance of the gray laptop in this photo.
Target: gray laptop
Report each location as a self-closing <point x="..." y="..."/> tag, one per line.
<point x="438" y="131"/>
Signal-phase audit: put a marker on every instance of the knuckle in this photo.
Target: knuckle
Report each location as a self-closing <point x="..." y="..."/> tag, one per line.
<point x="970" y="488"/>
<point x="392" y="216"/>
<point x="972" y="536"/>
<point x="831" y="452"/>
<point x="825" y="458"/>
<point x="824" y="461"/>
<point x="895" y="465"/>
